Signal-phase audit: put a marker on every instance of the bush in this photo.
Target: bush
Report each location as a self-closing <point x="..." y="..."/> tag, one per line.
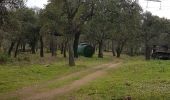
<point x="23" y="58"/>
<point x="4" y="58"/>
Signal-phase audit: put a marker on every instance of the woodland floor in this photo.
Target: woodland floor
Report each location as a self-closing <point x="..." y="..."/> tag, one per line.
<point x="100" y="79"/>
<point x="42" y="92"/>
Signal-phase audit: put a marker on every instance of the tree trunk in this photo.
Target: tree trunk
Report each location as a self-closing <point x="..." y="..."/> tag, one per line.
<point x="65" y="49"/>
<point x="71" y="51"/>
<point x="11" y="48"/>
<point x="62" y="48"/>
<point x="53" y="46"/>
<point x="41" y="47"/>
<point x="23" y="47"/>
<point x="131" y="51"/>
<point x="100" y="54"/>
<point x="76" y="42"/>
<point x="118" y="51"/>
<point x="16" y="49"/>
<point x="113" y="48"/>
<point x="147" y="52"/>
<point x="1" y="46"/>
<point x="33" y="48"/>
<point x="119" y="48"/>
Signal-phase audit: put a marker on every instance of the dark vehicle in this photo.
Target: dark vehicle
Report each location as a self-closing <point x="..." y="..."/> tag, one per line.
<point x="85" y="50"/>
<point x="161" y="52"/>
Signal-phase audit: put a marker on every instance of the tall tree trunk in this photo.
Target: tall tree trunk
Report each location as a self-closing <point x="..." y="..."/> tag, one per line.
<point x="11" y="48"/>
<point x="147" y="52"/>
<point x="71" y="51"/>
<point x="16" y="49"/>
<point x="100" y="54"/>
<point x="76" y="42"/>
<point x="0" y="46"/>
<point x="147" y="47"/>
<point x="113" y="48"/>
<point x="118" y="51"/>
<point x="23" y="47"/>
<point x="53" y="46"/>
<point x="131" y="51"/>
<point x="33" y="48"/>
<point x="62" y="48"/>
<point x="41" y="47"/>
<point x="65" y="49"/>
<point x="119" y="48"/>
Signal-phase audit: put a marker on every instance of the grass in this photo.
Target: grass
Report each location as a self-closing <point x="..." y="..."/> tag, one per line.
<point x="18" y="73"/>
<point x="136" y="79"/>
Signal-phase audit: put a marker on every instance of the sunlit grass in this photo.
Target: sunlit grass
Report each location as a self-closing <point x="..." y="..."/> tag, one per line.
<point x="136" y="79"/>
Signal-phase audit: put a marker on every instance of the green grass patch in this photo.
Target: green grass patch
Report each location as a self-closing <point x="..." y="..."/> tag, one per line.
<point x="16" y="75"/>
<point x="136" y="79"/>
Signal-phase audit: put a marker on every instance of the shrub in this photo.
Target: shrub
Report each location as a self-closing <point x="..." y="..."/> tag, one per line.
<point x="23" y="58"/>
<point x="4" y="58"/>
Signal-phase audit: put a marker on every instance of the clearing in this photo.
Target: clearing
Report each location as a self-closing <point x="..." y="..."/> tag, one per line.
<point x="92" y="79"/>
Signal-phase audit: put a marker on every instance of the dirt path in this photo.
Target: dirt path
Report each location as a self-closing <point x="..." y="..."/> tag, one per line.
<point x="32" y="93"/>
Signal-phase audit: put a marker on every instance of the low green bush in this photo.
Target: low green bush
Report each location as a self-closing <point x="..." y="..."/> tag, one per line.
<point x="4" y="58"/>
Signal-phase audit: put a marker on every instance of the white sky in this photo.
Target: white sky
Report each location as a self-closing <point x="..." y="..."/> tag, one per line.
<point x="36" y="3"/>
<point x="154" y="7"/>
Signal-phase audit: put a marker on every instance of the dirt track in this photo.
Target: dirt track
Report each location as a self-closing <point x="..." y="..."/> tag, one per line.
<point x="32" y="93"/>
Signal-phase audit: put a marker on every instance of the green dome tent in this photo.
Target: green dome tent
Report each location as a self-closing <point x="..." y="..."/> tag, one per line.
<point x="85" y="50"/>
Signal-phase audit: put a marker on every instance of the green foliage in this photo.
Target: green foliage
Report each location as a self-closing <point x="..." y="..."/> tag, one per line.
<point x="4" y="58"/>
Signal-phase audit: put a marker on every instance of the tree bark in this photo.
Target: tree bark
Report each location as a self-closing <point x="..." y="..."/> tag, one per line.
<point x="113" y="48"/>
<point x="33" y="48"/>
<point x="11" y="48"/>
<point x="118" y="51"/>
<point x="147" y="48"/>
<point x="62" y="48"/>
<point x="0" y="46"/>
<point x="23" y="47"/>
<point x="76" y="42"/>
<point x="71" y="51"/>
<point x="65" y="49"/>
<point x="119" y="48"/>
<point x="41" y="47"/>
<point x="131" y="51"/>
<point x="100" y="54"/>
<point x="53" y="46"/>
<point x="147" y="52"/>
<point x="16" y="49"/>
